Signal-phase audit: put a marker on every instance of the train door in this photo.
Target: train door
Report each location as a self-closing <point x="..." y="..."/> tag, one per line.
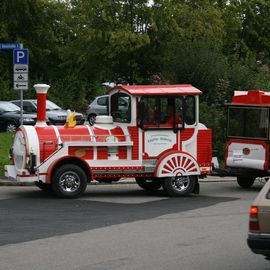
<point x="161" y="120"/>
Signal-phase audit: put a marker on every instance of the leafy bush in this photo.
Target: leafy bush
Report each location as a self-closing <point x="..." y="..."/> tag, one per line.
<point x="6" y="139"/>
<point x="214" y="117"/>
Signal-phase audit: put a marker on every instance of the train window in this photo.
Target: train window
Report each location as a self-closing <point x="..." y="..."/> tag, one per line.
<point x="248" y="122"/>
<point x="161" y="112"/>
<point x="121" y="108"/>
<point x="190" y="116"/>
<point x="150" y="111"/>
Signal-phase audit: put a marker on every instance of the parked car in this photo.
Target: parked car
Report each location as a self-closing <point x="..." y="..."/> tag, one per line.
<point x="55" y="114"/>
<point x="259" y="223"/>
<point x="10" y="117"/>
<point x="99" y="106"/>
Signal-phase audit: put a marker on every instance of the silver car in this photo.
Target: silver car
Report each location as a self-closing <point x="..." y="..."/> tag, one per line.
<point x="55" y="114"/>
<point x="99" y="106"/>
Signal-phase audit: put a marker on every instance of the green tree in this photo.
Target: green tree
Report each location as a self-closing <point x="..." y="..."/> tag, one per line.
<point x="108" y="36"/>
<point x="39" y="25"/>
<point x="255" y="25"/>
<point x="186" y="41"/>
<point x="247" y="27"/>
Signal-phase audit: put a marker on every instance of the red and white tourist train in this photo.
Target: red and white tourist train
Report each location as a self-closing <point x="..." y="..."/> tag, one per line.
<point x="155" y="138"/>
<point x="247" y="148"/>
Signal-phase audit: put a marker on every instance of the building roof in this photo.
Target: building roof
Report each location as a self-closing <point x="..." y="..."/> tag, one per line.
<point x="177" y="89"/>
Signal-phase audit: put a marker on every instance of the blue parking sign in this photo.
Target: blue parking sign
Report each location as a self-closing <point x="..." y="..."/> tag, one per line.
<point x="20" y="57"/>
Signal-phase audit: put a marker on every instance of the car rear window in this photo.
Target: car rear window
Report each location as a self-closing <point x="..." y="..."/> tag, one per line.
<point x="268" y="194"/>
<point x="103" y="101"/>
<point x="9" y="107"/>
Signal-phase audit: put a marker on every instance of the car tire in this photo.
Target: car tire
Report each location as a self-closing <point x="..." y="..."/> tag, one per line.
<point x="50" y="123"/>
<point x="92" y="119"/>
<point x="245" y="181"/>
<point x="69" y="181"/>
<point x="149" y="184"/>
<point x="179" y="185"/>
<point x="10" y="126"/>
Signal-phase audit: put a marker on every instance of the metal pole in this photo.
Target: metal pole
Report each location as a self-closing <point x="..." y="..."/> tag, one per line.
<point x="21" y="107"/>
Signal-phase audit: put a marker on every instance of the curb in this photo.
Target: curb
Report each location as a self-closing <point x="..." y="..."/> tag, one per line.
<point x="5" y="182"/>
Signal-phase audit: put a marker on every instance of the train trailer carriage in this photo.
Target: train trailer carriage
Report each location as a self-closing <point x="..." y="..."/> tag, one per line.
<point x="157" y="139"/>
<point x="247" y="148"/>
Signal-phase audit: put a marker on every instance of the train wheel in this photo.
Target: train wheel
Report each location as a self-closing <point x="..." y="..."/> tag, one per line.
<point x="179" y="185"/>
<point x="149" y="184"/>
<point x="245" y="181"/>
<point x="69" y="181"/>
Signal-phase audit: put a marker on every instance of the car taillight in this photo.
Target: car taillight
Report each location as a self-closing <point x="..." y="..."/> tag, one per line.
<point x="254" y="219"/>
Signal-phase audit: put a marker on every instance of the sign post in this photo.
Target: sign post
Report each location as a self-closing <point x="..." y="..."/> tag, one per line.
<point x="20" y="68"/>
<point x="20" y="75"/>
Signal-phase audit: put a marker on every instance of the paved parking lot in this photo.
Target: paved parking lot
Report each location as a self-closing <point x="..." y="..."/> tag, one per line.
<point x="123" y="227"/>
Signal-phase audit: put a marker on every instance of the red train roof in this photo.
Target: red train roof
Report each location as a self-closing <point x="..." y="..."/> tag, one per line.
<point x="177" y="89"/>
<point x="251" y="97"/>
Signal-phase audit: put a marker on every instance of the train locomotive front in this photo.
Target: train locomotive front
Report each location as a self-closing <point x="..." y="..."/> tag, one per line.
<point x="155" y="148"/>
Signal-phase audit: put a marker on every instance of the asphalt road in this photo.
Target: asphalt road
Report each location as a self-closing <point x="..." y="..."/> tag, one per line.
<point x="122" y="227"/>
